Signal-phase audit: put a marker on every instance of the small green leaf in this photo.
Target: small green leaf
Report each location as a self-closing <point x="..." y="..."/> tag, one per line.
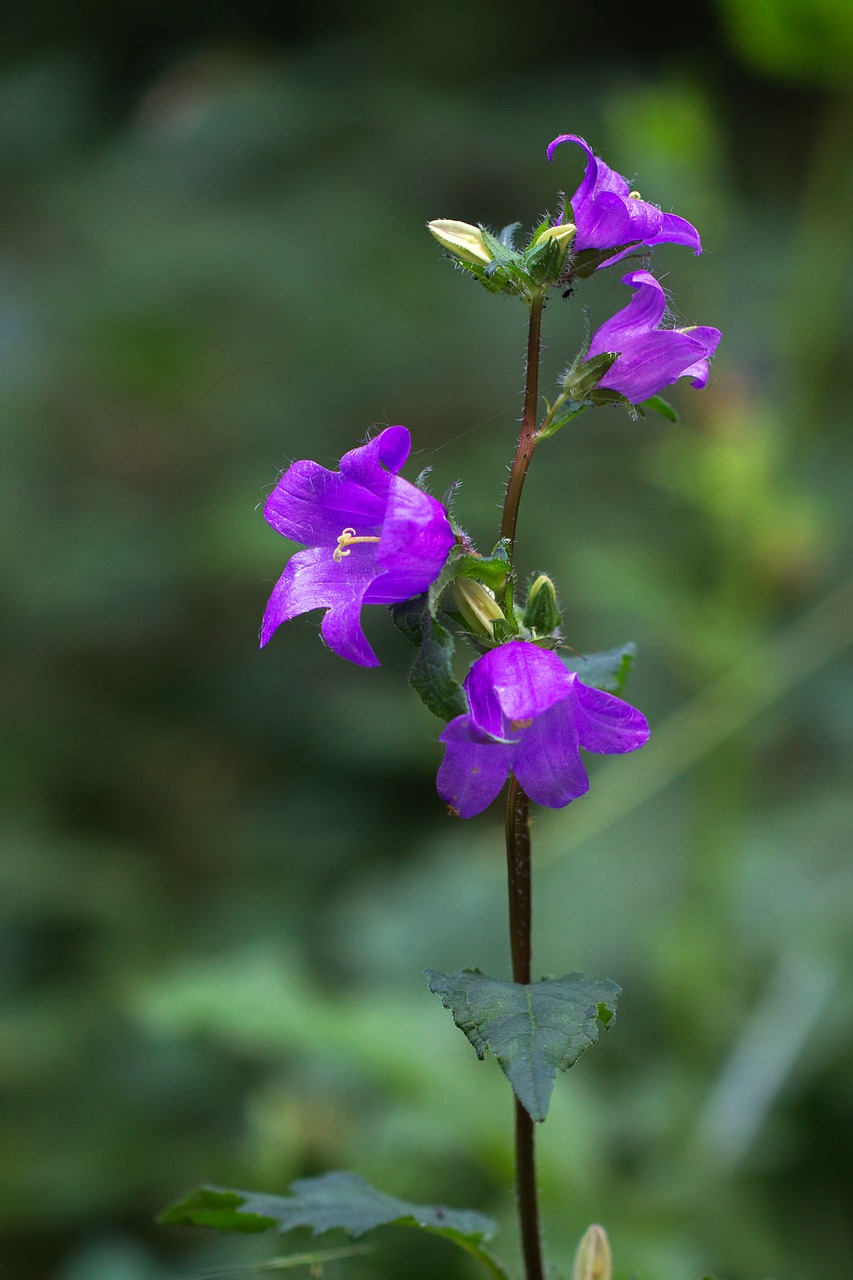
<point x="608" y="671"/>
<point x="657" y="404"/>
<point x="339" y="1200"/>
<point x="534" y="1031"/>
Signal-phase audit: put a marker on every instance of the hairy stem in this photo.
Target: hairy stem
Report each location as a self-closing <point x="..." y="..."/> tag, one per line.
<point x="518" y="875"/>
<point x="527" y="438"/>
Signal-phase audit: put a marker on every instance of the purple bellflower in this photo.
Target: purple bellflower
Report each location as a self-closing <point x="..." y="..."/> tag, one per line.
<point x="529" y="714"/>
<point x="607" y="213"/>
<point x="650" y="358"/>
<point x="370" y="537"/>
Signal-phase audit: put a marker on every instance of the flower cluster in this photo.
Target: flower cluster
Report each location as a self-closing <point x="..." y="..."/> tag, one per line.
<point x="368" y="536"/>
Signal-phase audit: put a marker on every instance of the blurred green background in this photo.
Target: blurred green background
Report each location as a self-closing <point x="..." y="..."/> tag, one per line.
<point x="223" y="872"/>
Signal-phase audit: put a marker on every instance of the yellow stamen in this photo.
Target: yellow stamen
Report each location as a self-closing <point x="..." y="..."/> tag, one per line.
<point x="515" y="725"/>
<point x="346" y="539"/>
<point x="634" y="195"/>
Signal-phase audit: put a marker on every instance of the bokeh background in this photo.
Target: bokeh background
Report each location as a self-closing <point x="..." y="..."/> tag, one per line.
<point x="223" y="872"/>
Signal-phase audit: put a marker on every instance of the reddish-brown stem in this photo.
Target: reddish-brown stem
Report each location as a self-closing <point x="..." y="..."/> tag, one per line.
<point x="527" y="438"/>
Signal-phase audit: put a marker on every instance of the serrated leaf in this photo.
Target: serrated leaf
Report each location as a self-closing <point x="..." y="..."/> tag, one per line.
<point x="339" y="1200"/>
<point x="608" y="671"/>
<point x="533" y="1030"/>
<point x="657" y="404"/>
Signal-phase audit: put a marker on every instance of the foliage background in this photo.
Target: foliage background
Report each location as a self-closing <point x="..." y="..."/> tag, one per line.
<point x="222" y="873"/>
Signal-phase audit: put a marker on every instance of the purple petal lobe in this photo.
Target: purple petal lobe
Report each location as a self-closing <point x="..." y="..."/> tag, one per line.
<point x="342" y="631"/>
<point x="513" y="683"/>
<point x="644" y="311"/>
<point x="416" y="541"/>
<point x="606" y="724"/>
<point x="473" y="769"/>
<point x="546" y="760"/>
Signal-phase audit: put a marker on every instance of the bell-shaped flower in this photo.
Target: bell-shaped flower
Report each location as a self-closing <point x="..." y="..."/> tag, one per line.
<point x="370" y="537"/>
<point x="607" y="213"/>
<point x="650" y="358"/>
<point x="528" y="714"/>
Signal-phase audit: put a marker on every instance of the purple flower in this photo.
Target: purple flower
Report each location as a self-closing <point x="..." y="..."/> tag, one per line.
<point x="650" y="358"/>
<point x="607" y="213"/>
<point x="529" y="714"/>
<point x="370" y="537"/>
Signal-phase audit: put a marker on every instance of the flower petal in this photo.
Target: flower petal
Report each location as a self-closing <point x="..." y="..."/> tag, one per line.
<point x="415" y="542"/>
<point x="513" y="683"/>
<point x="473" y="769"/>
<point x="651" y="362"/>
<point x="371" y="462"/>
<point x="546" y="761"/>
<point x="341" y="629"/>
<point x="312" y="505"/>
<point x="644" y="312"/>
<point x="675" y="230"/>
<point x="314" y="580"/>
<point x="606" y="724"/>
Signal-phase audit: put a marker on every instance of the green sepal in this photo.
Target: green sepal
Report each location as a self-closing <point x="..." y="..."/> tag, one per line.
<point x="568" y="410"/>
<point x="431" y="675"/>
<point x="533" y="1030"/>
<point x="608" y="671"/>
<point x="584" y="376"/>
<point x="491" y="570"/>
<point x="339" y="1200"/>
<point x="657" y="404"/>
<point x="507" y="234"/>
<point x="545" y="260"/>
<point x="589" y="260"/>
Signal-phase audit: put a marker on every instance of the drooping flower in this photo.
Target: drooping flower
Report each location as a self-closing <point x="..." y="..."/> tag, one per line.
<point x="529" y="714"/>
<point x="651" y="358"/>
<point x="608" y="214"/>
<point x="370" y="537"/>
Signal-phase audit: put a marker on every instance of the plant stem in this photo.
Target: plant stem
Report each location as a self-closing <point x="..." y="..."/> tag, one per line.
<point x="518" y="817"/>
<point x="527" y="438"/>
<point x="518" y="874"/>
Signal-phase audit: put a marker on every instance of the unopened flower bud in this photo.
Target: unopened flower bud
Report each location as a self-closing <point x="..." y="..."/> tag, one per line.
<point x="540" y="612"/>
<point x="563" y="233"/>
<point x="593" y="1260"/>
<point x="477" y="605"/>
<point x="462" y="240"/>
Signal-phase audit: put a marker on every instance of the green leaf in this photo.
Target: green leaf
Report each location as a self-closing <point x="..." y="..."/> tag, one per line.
<point x="431" y="675"/>
<point x="339" y="1200"/>
<point x="608" y="671"/>
<point x="657" y="404"/>
<point x="534" y="1031"/>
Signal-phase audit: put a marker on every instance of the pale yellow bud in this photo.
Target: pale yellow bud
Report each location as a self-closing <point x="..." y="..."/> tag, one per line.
<point x="593" y="1260"/>
<point x="477" y="605"/>
<point x="463" y="240"/>
<point x="562" y="233"/>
